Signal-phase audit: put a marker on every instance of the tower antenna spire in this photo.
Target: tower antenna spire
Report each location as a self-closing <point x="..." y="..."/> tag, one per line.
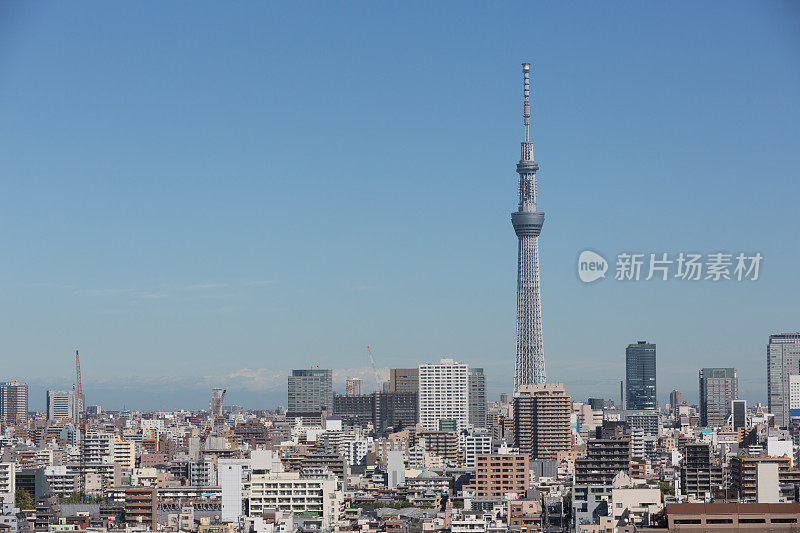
<point x="526" y="109"/>
<point x="527" y="221"/>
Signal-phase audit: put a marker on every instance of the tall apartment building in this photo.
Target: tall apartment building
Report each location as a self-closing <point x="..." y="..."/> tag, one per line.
<point x="477" y="398"/>
<point x="542" y="420"/>
<point x="701" y="475"/>
<point x="125" y="453"/>
<point x="605" y="458"/>
<point x="7" y="481"/>
<point x="744" y="475"/>
<point x="783" y="360"/>
<point x="217" y="396"/>
<point x="141" y="506"/>
<point x="13" y="402"/>
<point x="675" y="399"/>
<point x="404" y="380"/>
<point x="718" y="388"/>
<point x="640" y="377"/>
<point x="310" y="390"/>
<point x="61" y="405"/>
<point x="443" y="393"/>
<point x="353" y="386"/>
<point x="501" y="474"/>
<point x="474" y="445"/>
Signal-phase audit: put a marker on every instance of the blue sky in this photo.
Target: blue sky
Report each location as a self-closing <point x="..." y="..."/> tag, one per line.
<point x="200" y="194"/>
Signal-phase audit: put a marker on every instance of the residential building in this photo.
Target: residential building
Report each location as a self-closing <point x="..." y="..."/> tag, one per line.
<point x="477" y="398"/>
<point x="229" y="474"/>
<point x="353" y="386"/>
<point x="744" y="475"/>
<point x="7" y="479"/>
<point x="675" y="399"/>
<point x="498" y="475"/>
<point x="718" y="388"/>
<point x="542" y="420"/>
<point x="297" y="493"/>
<point x="125" y="453"/>
<point x="701" y="474"/>
<point x="141" y="505"/>
<point x="13" y="402"/>
<point x="443" y="393"/>
<point x="605" y="458"/>
<point x="640" y="377"/>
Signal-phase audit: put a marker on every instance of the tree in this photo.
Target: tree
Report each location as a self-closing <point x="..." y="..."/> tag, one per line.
<point x="666" y="489"/>
<point x="22" y="499"/>
<point x="567" y="505"/>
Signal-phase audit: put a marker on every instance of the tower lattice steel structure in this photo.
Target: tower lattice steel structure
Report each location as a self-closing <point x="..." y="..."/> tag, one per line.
<point x="528" y="220"/>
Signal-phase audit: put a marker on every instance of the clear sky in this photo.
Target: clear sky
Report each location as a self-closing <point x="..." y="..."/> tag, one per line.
<point x="201" y="194"/>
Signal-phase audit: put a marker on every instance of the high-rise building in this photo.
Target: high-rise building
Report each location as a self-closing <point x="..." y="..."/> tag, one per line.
<point x="443" y="393"/>
<point x="675" y="400"/>
<point x="542" y="420"/>
<point x="311" y="390"/>
<point x="718" y="388"/>
<point x="640" y="377"/>
<point x="404" y="380"/>
<point x="61" y="405"/>
<point x="527" y="221"/>
<point x="13" y="402"/>
<point x="783" y="360"/>
<point x="477" y="397"/>
<point x="739" y="410"/>
<point x="353" y="386"/>
<point x="604" y="459"/>
<point x="381" y="409"/>
<point x="216" y="401"/>
<point x="794" y="395"/>
<point x="701" y="473"/>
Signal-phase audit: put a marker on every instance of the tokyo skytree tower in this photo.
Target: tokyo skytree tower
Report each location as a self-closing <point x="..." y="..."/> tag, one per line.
<point x="527" y="221"/>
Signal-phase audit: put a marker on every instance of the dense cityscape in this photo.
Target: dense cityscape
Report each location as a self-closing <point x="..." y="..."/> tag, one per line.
<point x="426" y="450"/>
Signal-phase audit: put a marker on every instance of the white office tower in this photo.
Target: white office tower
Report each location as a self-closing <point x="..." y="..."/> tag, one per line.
<point x="443" y="393"/>
<point x="229" y="477"/>
<point x="61" y="405"/>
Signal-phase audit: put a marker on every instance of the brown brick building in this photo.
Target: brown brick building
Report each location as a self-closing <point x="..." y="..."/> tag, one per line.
<point x="497" y="475"/>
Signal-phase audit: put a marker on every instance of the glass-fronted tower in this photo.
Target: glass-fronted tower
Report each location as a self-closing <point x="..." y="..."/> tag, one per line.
<point x="640" y="377"/>
<point x="527" y="221"/>
<point x="783" y="360"/>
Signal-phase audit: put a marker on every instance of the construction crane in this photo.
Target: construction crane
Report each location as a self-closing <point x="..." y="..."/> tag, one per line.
<point x="81" y="415"/>
<point x="374" y="370"/>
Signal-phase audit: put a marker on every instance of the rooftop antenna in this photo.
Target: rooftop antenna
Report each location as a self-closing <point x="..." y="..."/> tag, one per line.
<point x="526" y="92"/>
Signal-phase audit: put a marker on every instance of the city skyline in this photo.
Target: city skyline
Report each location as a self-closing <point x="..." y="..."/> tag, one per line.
<point x="168" y="221"/>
